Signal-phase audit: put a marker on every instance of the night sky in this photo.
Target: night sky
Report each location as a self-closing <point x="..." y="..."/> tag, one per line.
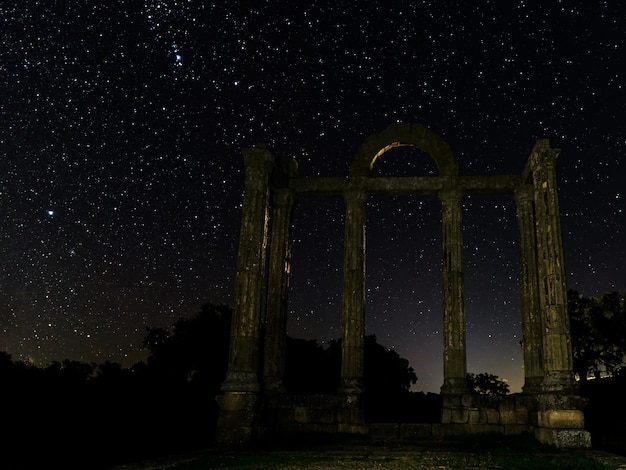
<point x="121" y="175"/>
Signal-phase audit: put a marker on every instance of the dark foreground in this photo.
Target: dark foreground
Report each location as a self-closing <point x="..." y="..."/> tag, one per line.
<point x="487" y="453"/>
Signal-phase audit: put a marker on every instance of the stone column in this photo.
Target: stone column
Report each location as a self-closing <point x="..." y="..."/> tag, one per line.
<point x="278" y="286"/>
<point x="353" y="321"/>
<point x="240" y="401"/>
<point x="531" y="317"/>
<point x="557" y="355"/>
<point x="560" y="419"/>
<point x="454" y="353"/>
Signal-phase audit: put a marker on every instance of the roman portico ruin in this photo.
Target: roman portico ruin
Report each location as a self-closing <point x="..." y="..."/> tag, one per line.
<point x="253" y="399"/>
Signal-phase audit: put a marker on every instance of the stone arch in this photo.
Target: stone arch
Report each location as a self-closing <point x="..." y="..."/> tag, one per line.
<point x="549" y="405"/>
<point x="404" y="135"/>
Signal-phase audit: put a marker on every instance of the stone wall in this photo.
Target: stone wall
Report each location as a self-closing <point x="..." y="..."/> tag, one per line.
<point x="469" y="414"/>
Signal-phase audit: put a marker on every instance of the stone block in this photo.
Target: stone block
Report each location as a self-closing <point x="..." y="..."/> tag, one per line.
<point x="239" y="435"/>
<point x="485" y="429"/>
<point x="439" y="431"/>
<point x="493" y="416"/>
<point x="561" y="419"/>
<point x="460" y="415"/>
<point x="348" y="428"/>
<point x="564" y="438"/>
<point x="516" y="429"/>
<point x="446" y="415"/>
<point x="238" y="401"/>
<point x="507" y="403"/>
<point x="513" y="417"/>
<point x="451" y="401"/>
<point x="350" y="415"/>
<point x="418" y="135"/>
<point x="300" y="415"/>
<point x="477" y="417"/>
<point x="327" y="416"/>
<point x="384" y="431"/>
<point x="524" y="402"/>
<point x="468" y="400"/>
<point x="456" y="429"/>
<point x="415" y="431"/>
<point x="403" y="134"/>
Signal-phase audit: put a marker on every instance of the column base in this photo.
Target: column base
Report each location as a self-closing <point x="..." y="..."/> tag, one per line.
<point x="560" y="419"/>
<point x="532" y="385"/>
<point x="240" y="418"/>
<point x="564" y="438"/>
<point x="241" y="382"/>
<point x="274" y="385"/>
<point x="351" y="386"/>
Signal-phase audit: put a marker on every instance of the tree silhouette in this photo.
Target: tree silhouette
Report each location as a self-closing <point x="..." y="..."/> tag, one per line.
<point x="196" y="349"/>
<point x="598" y="332"/>
<point x="487" y="384"/>
<point x="309" y="368"/>
<point x="385" y="371"/>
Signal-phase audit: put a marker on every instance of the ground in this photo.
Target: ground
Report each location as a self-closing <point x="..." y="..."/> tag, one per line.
<point x="363" y="456"/>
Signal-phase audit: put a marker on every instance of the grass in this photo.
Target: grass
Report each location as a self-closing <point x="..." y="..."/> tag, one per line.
<point x="486" y="452"/>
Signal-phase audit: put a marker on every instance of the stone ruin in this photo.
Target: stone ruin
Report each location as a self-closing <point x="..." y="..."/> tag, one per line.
<point x="253" y="402"/>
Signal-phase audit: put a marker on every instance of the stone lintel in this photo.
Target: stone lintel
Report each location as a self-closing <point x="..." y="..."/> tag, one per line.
<point x="405" y="185"/>
<point x="492" y="184"/>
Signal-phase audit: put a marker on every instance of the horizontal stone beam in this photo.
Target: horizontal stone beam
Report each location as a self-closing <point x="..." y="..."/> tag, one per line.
<point x="406" y="185"/>
<point x="494" y="184"/>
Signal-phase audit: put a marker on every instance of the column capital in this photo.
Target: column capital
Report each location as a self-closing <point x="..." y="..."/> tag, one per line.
<point x="258" y="158"/>
<point x="451" y="196"/>
<point x="543" y="155"/>
<point x="355" y="195"/>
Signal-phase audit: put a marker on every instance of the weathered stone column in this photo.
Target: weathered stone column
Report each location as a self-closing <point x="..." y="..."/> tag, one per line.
<point x="278" y="286"/>
<point x="353" y="316"/>
<point x="240" y="401"/>
<point x="551" y="271"/>
<point x="350" y="416"/>
<point x="560" y="420"/>
<point x="454" y="353"/>
<point x="531" y="317"/>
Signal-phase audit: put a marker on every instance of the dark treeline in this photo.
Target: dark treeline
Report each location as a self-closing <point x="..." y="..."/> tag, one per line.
<point x="78" y="413"/>
<point x="86" y="415"/>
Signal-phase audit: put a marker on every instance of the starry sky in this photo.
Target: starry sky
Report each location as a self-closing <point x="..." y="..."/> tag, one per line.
<point x="121" y="175"/>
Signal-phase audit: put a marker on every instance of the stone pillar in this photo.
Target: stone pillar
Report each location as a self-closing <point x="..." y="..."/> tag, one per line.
<point x="531" y="317"/>
<point x="353" y="316"/>
<point x="560" y="419"/>
<point x="558" y="366"/>
<point x="454" y="353"/>
<point x="240" y="401"/>
<point x="351" y="418"/>
<point x="278" y="286"/>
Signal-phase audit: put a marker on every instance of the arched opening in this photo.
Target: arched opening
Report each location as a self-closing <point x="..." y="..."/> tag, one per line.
<point x="404" y="161"/>
<point x="401" y="135"/>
